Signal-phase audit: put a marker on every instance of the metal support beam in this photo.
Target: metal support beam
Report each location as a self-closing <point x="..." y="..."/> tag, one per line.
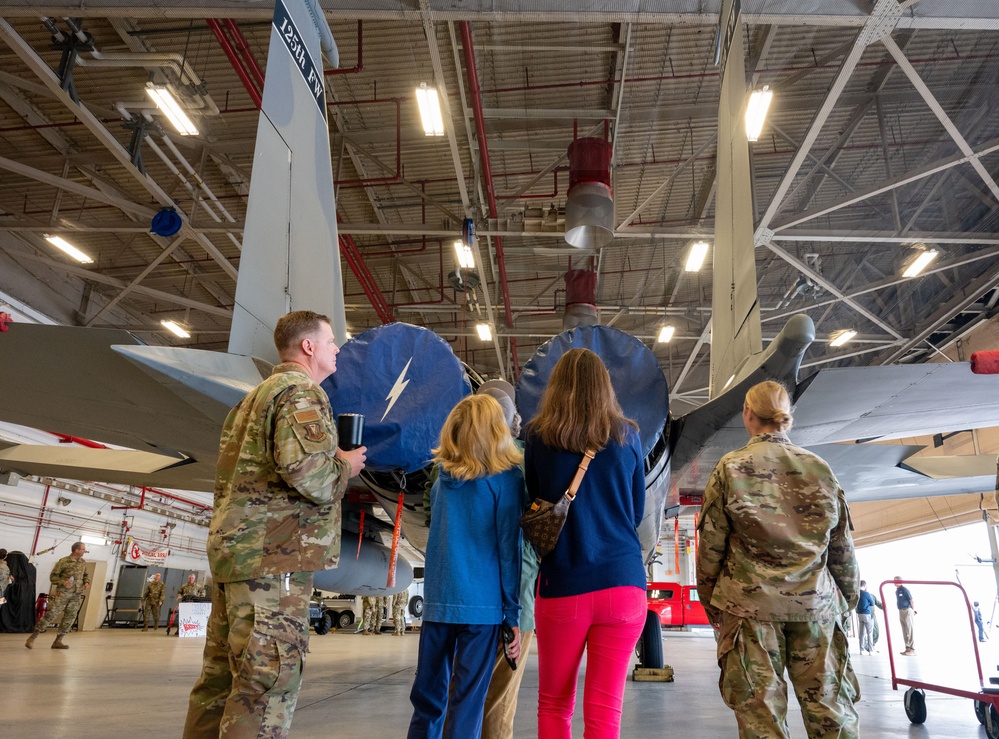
<point x="918" y="174"/>
<point x="820" y="280"/>
<point x="37" y="65"/>
<point x="906" y="66"/>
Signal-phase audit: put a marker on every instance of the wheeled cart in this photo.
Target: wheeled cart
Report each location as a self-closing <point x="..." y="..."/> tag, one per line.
<point x="986" y="698"/>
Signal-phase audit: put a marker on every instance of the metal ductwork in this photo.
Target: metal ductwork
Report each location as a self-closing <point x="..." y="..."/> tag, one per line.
<point x="580" y="298"/>
<point x="589" y="206"/>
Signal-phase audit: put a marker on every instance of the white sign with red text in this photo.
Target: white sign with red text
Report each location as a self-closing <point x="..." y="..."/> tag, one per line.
<point x="193" y="619"/>
<point x="154" y="556"/>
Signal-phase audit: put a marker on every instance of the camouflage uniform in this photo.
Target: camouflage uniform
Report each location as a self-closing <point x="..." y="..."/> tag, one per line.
<point x="399" y="602"/>
<point x="776" y="570"/>
<point x="381" y="603"/>
<point x="190" y="589"/>
<point x="153" y="598"/>
<point x="64" y="600"/>
<point x="276" y="521"/>
<point x="368" y="603"/>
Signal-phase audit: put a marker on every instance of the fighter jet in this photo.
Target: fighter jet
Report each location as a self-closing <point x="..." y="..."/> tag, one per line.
<point x="166" y="405"/>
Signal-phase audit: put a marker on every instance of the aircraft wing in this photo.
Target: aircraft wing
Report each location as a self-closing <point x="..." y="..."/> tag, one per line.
<point x="167" y="404"/>
<point x="865" y="403"/>
<point x="891" y="402"/>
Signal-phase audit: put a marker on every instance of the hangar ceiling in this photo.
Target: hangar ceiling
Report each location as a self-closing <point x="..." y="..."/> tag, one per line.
<point x="882" y="137"/>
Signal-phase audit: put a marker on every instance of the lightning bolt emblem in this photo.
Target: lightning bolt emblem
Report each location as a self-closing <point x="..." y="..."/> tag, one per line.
<point x="397" y="389"/>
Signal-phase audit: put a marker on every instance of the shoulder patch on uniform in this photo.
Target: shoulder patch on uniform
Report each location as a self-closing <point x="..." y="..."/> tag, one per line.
<point x="315" y="432"/>
<point x="308" y="416"/>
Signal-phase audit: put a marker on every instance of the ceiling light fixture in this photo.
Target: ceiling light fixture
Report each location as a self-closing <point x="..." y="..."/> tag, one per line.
<point x="695" y="259"/>
<point x="485" y="331"/>
<point x="756" y="112"/>
<point x="171" y="109"/>
<point x="430" y="110"/>
<point x="464" y="254"/>
<point x="98" y="541"/>
<point x="665" y="334"/>
<point x="175" y="328"/>
<point x="838" y="338"/>
<point x="60" y="243"/>
<point x="920" y="263"/>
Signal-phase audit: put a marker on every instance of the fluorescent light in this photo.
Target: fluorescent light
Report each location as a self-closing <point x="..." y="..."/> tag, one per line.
<point x="430" y="110"/>
<point x="174" y="328"/>
<point x="729" y="382"/>
<point x="756" y="112"/>
<point x="464" y="254"/>
<point x="169" y="107"/>
<point x="60" y="243"/>
<point x="665" y="334"/>
<point x="695" y="259"/>
<point x="97" y="541"/>
<point x="839" y="338"/>
<point x="485" y="332"/>
<point x="920" y="263"/>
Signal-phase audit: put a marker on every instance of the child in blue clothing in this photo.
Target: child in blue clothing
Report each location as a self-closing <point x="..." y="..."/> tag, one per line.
<point x="472" y="577"/>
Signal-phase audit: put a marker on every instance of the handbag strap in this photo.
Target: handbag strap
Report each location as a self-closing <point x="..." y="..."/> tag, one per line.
<point x="583" y="465"/>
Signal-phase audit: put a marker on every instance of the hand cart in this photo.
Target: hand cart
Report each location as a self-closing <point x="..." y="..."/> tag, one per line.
<point x="986" y="698"/>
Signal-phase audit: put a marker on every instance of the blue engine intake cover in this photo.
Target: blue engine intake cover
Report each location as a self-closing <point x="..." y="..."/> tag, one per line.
<point x="404" y="380"/>
<point x="635" y="374"/>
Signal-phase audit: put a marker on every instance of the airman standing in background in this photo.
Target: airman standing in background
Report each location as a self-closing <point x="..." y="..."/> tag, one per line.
<point x="69" y="580"/>
<point x="399" y="602"/>
<point x="277" y="518"/>
<point x="368" y="614"/>
<point x="153" y="596"/>
<point x="381" y="603"/>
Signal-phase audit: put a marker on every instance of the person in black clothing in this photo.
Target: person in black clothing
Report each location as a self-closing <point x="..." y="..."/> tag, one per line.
<point x="906" y="610"/>
<point x="18" y="614"/>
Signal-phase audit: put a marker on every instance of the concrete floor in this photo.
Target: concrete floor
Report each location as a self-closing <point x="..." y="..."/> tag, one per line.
<point x="123" y="683"/>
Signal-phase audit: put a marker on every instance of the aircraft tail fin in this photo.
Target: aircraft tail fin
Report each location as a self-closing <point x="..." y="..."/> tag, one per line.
<point x="290" y="255"/>
<point x="735" y="308"/>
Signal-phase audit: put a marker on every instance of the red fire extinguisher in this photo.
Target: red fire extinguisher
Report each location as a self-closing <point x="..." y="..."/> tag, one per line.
<point x="41" y="606"/>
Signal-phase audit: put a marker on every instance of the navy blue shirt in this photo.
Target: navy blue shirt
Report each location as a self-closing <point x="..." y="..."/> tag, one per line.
<point x="903" y="597"/>
<point x="864" y="603"/>
<point x="599" y="546"/>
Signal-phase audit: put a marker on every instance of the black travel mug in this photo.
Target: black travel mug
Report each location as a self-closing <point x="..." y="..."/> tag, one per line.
<point x="350" y="429"/>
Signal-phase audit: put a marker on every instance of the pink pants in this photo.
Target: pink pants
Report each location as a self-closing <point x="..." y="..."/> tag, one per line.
<point x="607" y="624"/>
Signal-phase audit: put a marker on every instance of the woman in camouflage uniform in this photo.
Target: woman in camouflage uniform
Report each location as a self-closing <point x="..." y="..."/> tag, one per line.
<point x="777" y="573"/>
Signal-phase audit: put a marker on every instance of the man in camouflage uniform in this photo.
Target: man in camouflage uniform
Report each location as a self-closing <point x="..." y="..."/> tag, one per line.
<point x="152" y="597"/>
<point x="399" y="602"/>
<point x="381" y="603"/>
<point x="70" y="581"/>
<point x="777" y="573"/>
<point x="188" y="589"/>
<point x="276" y="520"/>
<point x="368" y="605"/>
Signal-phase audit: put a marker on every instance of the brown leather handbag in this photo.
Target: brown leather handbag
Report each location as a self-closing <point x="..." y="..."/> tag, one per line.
<point x="543" y="521"/>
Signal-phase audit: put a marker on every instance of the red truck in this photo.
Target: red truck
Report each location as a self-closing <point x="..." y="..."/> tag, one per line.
<point x="676" y="605"/>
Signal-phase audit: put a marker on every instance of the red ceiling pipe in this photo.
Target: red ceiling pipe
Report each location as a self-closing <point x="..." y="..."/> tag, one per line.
<point x="249" y="61"/>
<point x="487" y="173"/>
<point x="360" y="56"/>
<point x="397" y="177"/>
<point x="234" y="60"/>
<point x="360" y="269"/>
<point x="551" y="194"/>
